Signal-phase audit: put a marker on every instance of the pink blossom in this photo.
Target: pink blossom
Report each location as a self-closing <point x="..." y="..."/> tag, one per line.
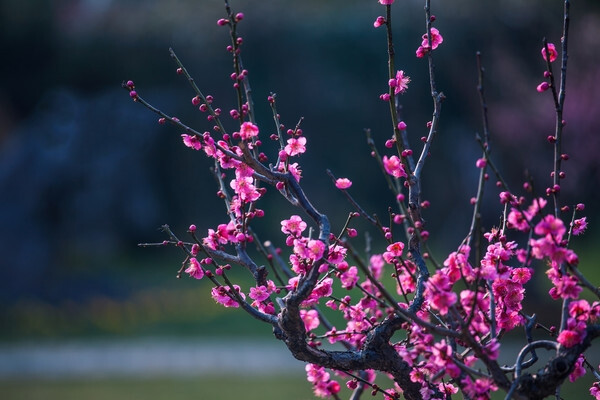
<point x="492" y="349"/>
<point x="441" y="353"/>
<point x="521" y="275"/>
<point x="569" y="338"/>
<point x="506" y="197"/>
<point x="336" y="254"/>
<point x="448" y="389"/>
<point x="310" y="319"/>
<point x="293" y="226"/>
<point x="479" y="389"/>
<point x="227" y="162"/>
<point x="438" y="293"/>
<point x="421" y="51"/>
<point x="436" y="40"/>
<point x="243" y="170"/>
<point x="551" y="226"/>
<point x="349" y="278"/>
<point x="323" y="289"/>
<point x="544" y="247"/>
<point x="426" y="392"/>
<point x="573" y="334"/>
<point x="315" y="249"/>
<point x="595" y="311"/>
<point x="580" y="310"/>
<point x="393" y="166"/>
<point x="400" y="83"/>
<point x="343" y="183"/>
<point x="565" y="287"/>
<point x="579" y="369"/>
<point x="323" y="386"/>
<point x="393" y="250"/>
<point x="508" y="320"/>
<point x="295" y="146"/>
<point x="315" y="373"/>
<point x="481" y="163"/>
<point x="579" y="226"/>
<point x="298" y="264"/>
<point x="467" y="301"/>
<point x="220" y="295"/>
<point x="194" y="269"/>
<point x="248" y="130"/>
<point x="551" y="50"/>
<point x="595" y="390"/>
<point x="245" y="189"/>
<point x="536" y="206"/>
<point x="518" y="220"/>
<point x="457" y="265"/>
<point x="376" y="265"/>
<point x="192" y="141"/>
<point x="209" y="145"/>
<point x="259" y="293"/>
<point x="386" y="2"/>
<point x="295" y="171"/>
<point x="441" y="301"/>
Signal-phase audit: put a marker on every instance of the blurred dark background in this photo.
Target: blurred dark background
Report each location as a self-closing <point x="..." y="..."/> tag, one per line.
<point x="86" y="174"/>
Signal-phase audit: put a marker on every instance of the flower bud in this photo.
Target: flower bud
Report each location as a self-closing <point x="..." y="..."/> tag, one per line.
<point x="542" y="87"/>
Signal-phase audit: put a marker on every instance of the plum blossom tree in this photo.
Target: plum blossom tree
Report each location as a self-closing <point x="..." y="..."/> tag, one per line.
<point x="433" y="329"/>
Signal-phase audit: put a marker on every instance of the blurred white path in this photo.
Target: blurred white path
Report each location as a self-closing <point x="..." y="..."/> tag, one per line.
<point x="145" y="357"/>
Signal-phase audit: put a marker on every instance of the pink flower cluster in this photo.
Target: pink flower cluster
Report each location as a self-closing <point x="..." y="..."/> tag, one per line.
<point x="226" y="297"/>
<point x="436" y="40"/>
<point x="486" y="297"/>
<point x="323" y="385"/>
<point x="580" y="312"/>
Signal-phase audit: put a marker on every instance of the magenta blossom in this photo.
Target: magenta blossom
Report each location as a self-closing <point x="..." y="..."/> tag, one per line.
<point x="248" y="130"/>
<point x="386" y="2"/>
<point x="393" y="250"/>
<point x="293" y="226"/>
<point x="343" y="183"/>
<point x="551" y="50"/>
<point x="222" y="295"/>
<point x="191" y="141"/>
<point x="400" y="83"/>
<point x="259" y="293"/>
<point x="310" y="319"/>
<point x="393" y="166"/>
<point x="295" y="146"/>
<point x="436" y="40"/>
<point x="194" y="269"/>
<point x="579" y="226"/>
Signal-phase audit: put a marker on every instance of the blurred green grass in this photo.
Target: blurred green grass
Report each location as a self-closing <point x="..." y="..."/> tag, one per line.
<point x="206" y="387"/>
<point x="215" y="387"/>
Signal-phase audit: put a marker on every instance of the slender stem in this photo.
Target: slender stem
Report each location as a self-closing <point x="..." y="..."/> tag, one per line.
<point x="486" y="144"/>
<point x="197" y="90"/>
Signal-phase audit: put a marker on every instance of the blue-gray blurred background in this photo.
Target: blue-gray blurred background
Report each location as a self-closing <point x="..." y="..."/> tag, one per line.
<point x="86" y="174"/>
